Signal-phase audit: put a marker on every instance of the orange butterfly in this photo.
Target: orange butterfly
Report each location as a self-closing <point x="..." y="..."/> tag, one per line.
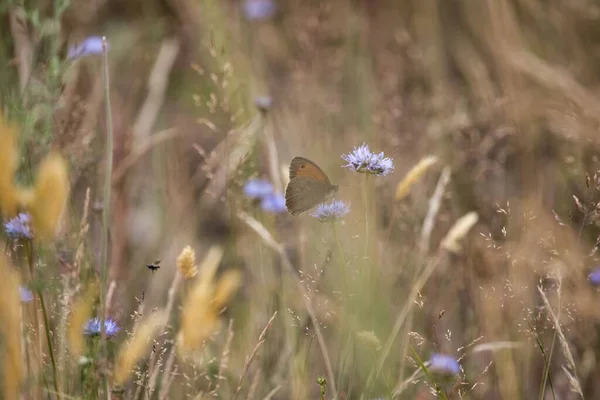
<point x="308" y="186"/>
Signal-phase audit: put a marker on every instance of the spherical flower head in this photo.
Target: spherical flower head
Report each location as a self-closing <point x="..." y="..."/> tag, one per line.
<point x="594" y="276"/>
<point x="258" y="188"/>
<point x="258" y="10"/>
<point x="273" y="203"/>
<point x="362" y="160"/>
<point x="91" y="45"/>
<point x="444" y="364"/>
<point x="26" y="294"/>
<point x="333" y="211"/>
<point x="263" y="103"/>
<point x="94" y="327"/>
<point x="18" y="227"/>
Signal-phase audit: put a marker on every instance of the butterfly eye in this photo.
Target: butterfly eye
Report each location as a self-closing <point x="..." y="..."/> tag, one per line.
<point x="303" y="166"/>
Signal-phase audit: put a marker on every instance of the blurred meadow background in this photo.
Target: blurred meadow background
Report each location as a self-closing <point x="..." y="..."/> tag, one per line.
<point x="144" y="155"/>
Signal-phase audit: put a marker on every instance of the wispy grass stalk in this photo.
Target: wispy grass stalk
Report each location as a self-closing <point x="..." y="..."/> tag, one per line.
<point x="31" y="265"/>
<point x="106" y="209"/>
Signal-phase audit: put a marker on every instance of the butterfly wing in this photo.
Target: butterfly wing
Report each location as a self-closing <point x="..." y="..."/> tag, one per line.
<point x="303" y="193"/>
<point x="301" y="166"/>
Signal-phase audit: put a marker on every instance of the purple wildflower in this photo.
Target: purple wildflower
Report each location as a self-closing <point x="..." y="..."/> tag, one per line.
<point x="332" y="211"/>
<point x="91" y="45"/>
<point x="257" y="10"/>
<point x="18" y="227"/>
<point x="594" y="276"/>
<point x="362" y="160"/>
<point x="93" y="327"/>
<point x="274" y="203"/>
<point x="26" y="294"/>
<point x="258" y="188"/>
<point x="444" y="364"/>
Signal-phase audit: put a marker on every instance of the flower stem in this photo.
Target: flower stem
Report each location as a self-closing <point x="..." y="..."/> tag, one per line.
<point x="30" y="262"/>
<point x="106" y="208"/>
<point x="341" y="257"/>
<point x="366" y="205"/>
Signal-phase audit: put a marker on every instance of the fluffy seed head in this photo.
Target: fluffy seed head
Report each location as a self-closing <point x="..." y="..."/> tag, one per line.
<point x="186" y="262"/>
<point x="81" y="312"/>
<point x="50" y="195"/>
<point x="8" y="163"/>
<point x="413" y="175"/>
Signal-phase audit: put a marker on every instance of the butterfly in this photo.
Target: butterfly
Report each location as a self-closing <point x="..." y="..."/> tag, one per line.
<point x="308" y="186"/>
<point x="154" y="266"/>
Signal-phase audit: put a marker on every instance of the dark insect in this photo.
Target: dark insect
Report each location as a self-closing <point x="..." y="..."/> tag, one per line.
<point x="154" y="266"/>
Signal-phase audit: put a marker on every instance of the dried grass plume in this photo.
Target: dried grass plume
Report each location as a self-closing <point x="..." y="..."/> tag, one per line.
<point x="458" y="231"/>
<point x="10" y="329"/>
<point x="413" y="175"/>
<point x="8" y="163"/>
<point x="82" y="310"/>
<point x="204" y="302"/>
<point x="186" y="262"/>
<point x="135" y="348"/>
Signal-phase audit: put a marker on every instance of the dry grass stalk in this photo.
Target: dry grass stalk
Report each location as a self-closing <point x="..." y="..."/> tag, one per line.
<point x="261" y="341"/>
<point x="224" y="360"/>
<point x="50" y="195"/>
<point x="413" y="175"/>
<point x="10" y="328"/>
<point x="458" y="231"/>
<point x="8" y="164"/>
<point x="204" y="302"/>
<point x="135" y="348"/>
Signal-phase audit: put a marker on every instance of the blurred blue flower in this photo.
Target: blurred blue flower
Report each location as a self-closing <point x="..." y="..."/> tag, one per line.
<point x="594" y="276"/>
<point x="257" y="10"/>
<point x="93" y="327"/>
<point x="362" y="160"/>
<point x="18" y="227"/>
<point x="91" y="45"/>
<point x="263" y="103"/>
<point x="26" y="294"/>
<point x="274" y="203"/>
<point x="333" y="211"/>
<point x="443" y="364"/>
<point x="258" y="188"/>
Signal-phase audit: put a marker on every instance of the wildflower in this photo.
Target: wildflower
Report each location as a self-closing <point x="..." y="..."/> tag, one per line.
<point x="333" y="211"/>
<point x="362" y="160"/>
<point x="263" y="103"/>
<point x="186" y="263"/>
<point x="258" y="188"/>
<point x="91" y="45"/>
<point x="26" y="294"/>
<point x="444" y="364"/>
<point x="274" y="203"/>
<point x="18" y="227"/>
<point x="93" y="327"/>
<point x="257" y="10"/>
<point x="204" y="302"/>
<point x="134" y="349"/>
<point x="594" y="276"/>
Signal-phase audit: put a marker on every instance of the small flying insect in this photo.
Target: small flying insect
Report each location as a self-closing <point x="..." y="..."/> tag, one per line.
<point x="154" y="266"/>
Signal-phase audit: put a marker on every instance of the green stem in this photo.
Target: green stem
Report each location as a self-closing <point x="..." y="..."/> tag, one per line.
<point x="366" y="205"/>
<point x="106" y="208"/>
<point x="341" y="257"/>
<point x="30" y="262"/>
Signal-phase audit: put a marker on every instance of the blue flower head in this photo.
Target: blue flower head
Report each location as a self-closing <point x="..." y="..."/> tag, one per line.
<point x="257" y="10"/>
<point x="93" y="327"/>
<point x="444" y="364"/>
<point x="263" y="103"/>
<point x="332" y="211"/>
<point x="258" y="188"/>
<point x="26" y="295"/>
<point x="18" y="227"/>
<point x="91" y="45"/>
<point x="594" y="276"/>
<point x="273" y="203"/>
<point x="362" y="160"/>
